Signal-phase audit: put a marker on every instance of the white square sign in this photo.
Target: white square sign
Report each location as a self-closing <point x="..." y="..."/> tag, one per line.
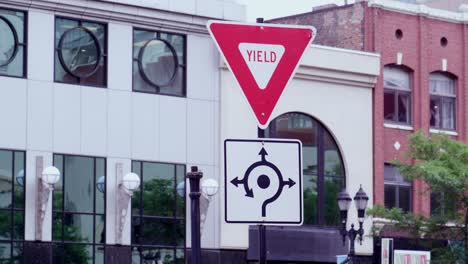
<point x="263" y="181"/>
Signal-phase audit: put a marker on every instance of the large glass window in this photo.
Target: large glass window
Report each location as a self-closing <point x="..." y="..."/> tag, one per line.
<point x="12" y="43"/>
<point x="397" y="190"/>
<point x="397" y="95"/>
<point x="323" y="171"/>
<point x="78" y="229"/>
<point x="80" y="52"/>
<point x="158" y="214"/>
<point x="442" y="101"/>
<point x="158" y="62"/>
<point x="12" y="179"/>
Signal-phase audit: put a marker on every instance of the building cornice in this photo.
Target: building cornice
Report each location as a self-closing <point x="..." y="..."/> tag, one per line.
<point x="420" y="10"/>
<point x="115" y="12"/>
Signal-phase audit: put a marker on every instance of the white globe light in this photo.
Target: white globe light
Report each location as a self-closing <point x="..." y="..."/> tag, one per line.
<point x="210" y="187"/>
<point x="131" y="181"/>
<point x="101" y="184"/>
<point x="181" y="189"/>
<point x="20" y="178"/>
<point x="51" y="175"/>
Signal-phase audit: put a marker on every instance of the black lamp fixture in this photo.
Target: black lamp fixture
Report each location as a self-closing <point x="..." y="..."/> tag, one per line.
<point x="344" y="203"/>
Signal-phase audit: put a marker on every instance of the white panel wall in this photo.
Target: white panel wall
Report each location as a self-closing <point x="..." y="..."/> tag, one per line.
<point x="44" y="117"/>
<point x="67" y="118"/>
<point x="40" y="115"/>
<point x="13" y="109"/>
<point x="93" y="121"/>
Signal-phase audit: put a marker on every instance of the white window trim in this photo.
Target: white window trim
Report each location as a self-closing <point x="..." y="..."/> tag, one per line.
<point x="397" y="126"/>
<point x="441" y="131"/>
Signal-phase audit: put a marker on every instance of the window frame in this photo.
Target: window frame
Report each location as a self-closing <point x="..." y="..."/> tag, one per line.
<point x="399" y="184"/>
<point x="24" y="44"/>
<point x="104" y="52"/>
<point x="12" y="210"/>
<point x="136" y="59"/>
<point x="396" y="93"/>
<point x="173" y="219"/>
<point x="444" y="98"/>
<point x="321" y="174"/>
<point x="59" y="244"/>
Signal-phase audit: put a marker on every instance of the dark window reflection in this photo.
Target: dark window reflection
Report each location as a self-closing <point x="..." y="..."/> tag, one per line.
<point x="158" y="214"/>
<point x="397" y="190"/>
<point x="12" y="43"/>
<point x="159" y="62"/>
<point x="322" y="180"/>
<point x="12" y="181"/>
<point x="81" y="49"/>
<point x="78" y="228"/>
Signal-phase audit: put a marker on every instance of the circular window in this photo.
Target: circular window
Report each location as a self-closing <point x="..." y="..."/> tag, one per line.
<point x="399" y="34"/>
<point x="8" y="42"/>
<point x="158" y="63"/>
<point x="443" y="41"/>
<point x="79" y="52"/>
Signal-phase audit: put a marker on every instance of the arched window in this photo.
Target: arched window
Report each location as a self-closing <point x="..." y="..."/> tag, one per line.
<point x="442" y="101"/>
<point x="323" y="170"/>
<point x="397" y="95"/>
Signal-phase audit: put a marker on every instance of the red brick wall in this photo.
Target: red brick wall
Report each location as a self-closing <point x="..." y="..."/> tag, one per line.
<point x="340" y="27"/>
<point x="423" y="54"/>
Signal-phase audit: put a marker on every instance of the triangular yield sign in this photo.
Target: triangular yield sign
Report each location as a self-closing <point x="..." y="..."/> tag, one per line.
<point x="263" y="59"/>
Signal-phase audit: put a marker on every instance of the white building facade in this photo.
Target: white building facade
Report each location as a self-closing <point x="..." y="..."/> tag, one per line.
<point x="105" y="88"/>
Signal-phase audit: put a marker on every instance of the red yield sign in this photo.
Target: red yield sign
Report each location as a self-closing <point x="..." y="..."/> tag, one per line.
<point x="263" y="59"/>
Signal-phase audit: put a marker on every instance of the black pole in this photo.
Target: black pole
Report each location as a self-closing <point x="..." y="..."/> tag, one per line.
<point x="194" y="177"/>
<point x="262" y="244"/>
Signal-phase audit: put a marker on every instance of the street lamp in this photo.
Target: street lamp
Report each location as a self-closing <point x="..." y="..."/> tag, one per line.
<point x="47" y="179"/>
<point x="344" y="203"/>
<point x="126" y="186"/>
<point x="210" y="187"/>
<point x="194" y="177"/>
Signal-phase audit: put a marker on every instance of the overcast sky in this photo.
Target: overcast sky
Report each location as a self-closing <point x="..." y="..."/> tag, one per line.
<point x="278" y="8"/>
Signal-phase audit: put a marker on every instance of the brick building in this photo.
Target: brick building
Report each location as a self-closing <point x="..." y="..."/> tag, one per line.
<point x="422" y="86"/>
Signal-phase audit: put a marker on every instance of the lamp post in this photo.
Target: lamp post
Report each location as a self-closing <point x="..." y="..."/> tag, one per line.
<point x="344" y="202"/>
<point x="194" y="177"/>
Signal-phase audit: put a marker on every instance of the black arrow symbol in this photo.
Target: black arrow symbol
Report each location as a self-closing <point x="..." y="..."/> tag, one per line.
<point x="236" y="181"/>
<point x="249" y="193"/>
<point x="290" y="183"/>
<point x="263" y="153"/>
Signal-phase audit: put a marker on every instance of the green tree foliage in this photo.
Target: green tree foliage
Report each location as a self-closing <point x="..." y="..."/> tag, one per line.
<point x="443" y="164"/>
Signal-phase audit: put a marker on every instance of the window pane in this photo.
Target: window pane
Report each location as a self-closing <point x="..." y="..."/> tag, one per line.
<point x="390" y="196"/>
<point x="157" y="232"/>
<point x="180" y="233"/>
<point x="58" y="187"/>
<point x="5" y="252"/>
<point x="310" y="199"/>
<point x="448" y="113"/>
<point x="18" y="253"/>
<point x="180" y="256"/>
<point x="6" y="170"/>
<point x="100" y="196"/>
<point x="180" y="175"/>
<point x="396" y="78"/>
<point x="81" y="254"/>
<point x="404" y="108"/>
<point x="81" y="52"/>
<point x="333" y="165"/>
<point x="5" y="225"/>
<point x="20" y="175"/>
<point x="15" y="67"/>
<point x="78" y="228"/>
<point x="441" y="84"/>
<point x="57" y="226"/>
<point x="389" y="105"/>
<point x="99" y="255"/>
<point x="404" y="198"/>
<point x="435" y="108"/>
<point x="79" y="184"/>
<point x="100" y="229"/>
<point x="333" y="185"/>
<point x="136" y="168"/>
<point x="18" y="225"/>
<point x="158" y="189"/>
<point x="160" y="68"/>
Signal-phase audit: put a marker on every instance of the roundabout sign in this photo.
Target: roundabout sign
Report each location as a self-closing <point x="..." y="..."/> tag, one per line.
<point x="263" y="181"/>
